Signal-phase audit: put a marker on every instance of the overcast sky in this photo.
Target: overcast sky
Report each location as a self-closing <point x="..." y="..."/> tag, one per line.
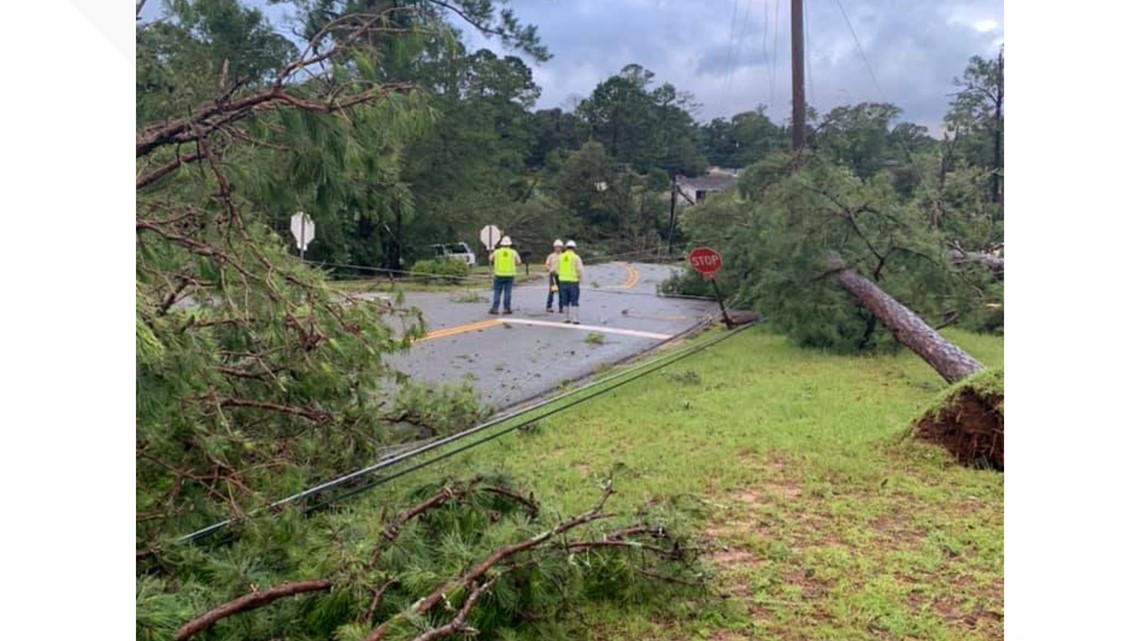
<point x="736" y="54"/>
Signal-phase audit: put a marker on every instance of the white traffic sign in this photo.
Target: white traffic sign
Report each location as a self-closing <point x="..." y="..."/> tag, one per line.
<point x="490" y="235"/>
<point x="303" y="230"/>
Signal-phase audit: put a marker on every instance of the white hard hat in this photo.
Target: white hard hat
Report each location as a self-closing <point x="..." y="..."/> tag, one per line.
<point x="506" y="241"/>
<point x="571" y="243"/>
<point x="557" y="242"/>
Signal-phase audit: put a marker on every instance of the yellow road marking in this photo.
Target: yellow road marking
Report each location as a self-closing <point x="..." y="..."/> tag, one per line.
<point x="631" y="278"/>
<point x="461" y="329"/>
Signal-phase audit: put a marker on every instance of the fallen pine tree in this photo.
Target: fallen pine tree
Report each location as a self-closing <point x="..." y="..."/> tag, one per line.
<point x="802" y="240"/>
<point x="969" y="419"/>
<point x="459" y="558"/>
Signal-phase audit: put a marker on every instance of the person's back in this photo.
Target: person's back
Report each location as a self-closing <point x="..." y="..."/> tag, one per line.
<point x="504" y="265"/>
<point x="570" y="273"/>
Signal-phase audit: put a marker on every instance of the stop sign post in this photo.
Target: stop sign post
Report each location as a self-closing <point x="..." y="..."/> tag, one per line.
<point x="707" y="262"/>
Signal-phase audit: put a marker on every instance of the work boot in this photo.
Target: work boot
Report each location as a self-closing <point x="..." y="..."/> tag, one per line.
<point x="550" y="310"/>
<point x="567" y="315"/>
<point x="574" y="315"/>
<point x="507" y="311"/>
<point x="494" y="311"/>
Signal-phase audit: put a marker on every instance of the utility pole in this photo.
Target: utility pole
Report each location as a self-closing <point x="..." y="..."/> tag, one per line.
<point x="672" y="212"/>
<point x="799" y="121"/>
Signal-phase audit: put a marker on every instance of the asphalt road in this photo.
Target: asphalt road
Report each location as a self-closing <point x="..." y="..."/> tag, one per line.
<point x="509" y="359"/>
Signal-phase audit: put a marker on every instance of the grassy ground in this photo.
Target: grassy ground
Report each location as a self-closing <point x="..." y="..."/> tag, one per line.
<point x="823" y="523"/>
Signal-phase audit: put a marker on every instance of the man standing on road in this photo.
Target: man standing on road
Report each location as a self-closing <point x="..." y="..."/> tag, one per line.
<point x="570" y="274"/>
<point x="552" y="269"/>
<point x="504" y="264"/>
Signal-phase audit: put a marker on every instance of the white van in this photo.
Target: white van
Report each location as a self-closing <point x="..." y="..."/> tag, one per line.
<point x="455" y="251"/>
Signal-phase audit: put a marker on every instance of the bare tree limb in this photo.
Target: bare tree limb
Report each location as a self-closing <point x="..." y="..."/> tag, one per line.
<point x="459" y="623"/>
<point x="315" y="416"/>
<point x="249" y="602"/>
<point x="480" y="569"/>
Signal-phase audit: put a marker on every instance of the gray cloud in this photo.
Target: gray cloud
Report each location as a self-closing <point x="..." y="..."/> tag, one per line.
<point x="735" y="54"/>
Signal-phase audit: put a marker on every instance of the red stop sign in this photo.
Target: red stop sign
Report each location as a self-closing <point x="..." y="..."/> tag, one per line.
<point x="705" y="260"/>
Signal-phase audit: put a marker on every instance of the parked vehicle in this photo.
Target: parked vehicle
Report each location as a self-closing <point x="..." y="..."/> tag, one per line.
<point x="455" y="251"/>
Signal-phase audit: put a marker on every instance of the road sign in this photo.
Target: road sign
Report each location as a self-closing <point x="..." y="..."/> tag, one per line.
<point x="490" y="235"/>
<point x="303" y="230"/>
<point x="706" y="261"/>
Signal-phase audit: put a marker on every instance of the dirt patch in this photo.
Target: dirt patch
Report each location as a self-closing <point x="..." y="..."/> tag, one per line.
<point x="970" y="424"/>
<point x="896" y="532"/>
<point x="733" y="557"/>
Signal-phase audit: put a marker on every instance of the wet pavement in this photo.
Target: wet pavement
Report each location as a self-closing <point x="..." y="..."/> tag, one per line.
<point x="513" y="358"/>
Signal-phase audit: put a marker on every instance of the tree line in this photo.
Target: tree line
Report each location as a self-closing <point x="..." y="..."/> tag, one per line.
<point x="476" y="151"/>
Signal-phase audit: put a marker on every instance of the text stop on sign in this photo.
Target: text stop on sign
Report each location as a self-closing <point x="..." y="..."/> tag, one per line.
<point x="705" y="260"/>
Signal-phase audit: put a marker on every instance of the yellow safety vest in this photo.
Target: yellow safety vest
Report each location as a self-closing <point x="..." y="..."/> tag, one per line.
<point x="566" y="271"/>
<point x="505" y="261"/>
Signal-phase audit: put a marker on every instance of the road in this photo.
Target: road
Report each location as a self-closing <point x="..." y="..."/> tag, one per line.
<point x="513" y="358"/>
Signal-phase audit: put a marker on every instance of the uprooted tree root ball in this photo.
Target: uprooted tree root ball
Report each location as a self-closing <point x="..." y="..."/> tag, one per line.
<point x="969" y="421"/>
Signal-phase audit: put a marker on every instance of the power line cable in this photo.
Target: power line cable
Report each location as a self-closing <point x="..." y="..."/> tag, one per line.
<point x="807" y="48"/>
<point x="775" y="48"/>
<point x="859" y="46"/>
<point x="728" y="58"/>
<point x="739" y="45"/>
<point x="405" y="455"/>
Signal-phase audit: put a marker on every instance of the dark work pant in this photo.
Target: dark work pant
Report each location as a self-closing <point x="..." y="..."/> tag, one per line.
<point x="550" y="293"/>
<point x="567" y="294"/>
<point x="503" y="286"/>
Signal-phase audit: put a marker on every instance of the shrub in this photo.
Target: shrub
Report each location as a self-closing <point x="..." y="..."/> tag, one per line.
<point x="451" y="272"/>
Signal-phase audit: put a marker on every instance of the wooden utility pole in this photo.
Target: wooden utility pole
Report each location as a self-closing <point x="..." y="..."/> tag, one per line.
<point x="799" y="106"/>
<point x="672" y="212"/>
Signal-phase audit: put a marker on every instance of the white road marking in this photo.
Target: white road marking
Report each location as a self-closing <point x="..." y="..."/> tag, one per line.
<point x="594" y="328"/>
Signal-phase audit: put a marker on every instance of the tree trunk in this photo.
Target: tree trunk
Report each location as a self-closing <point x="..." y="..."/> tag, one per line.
<point x="995" y="188"/>
<point x="946" y="358"/>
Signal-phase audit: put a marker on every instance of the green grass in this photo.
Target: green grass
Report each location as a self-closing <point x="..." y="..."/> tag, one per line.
<point x="823" y="523"/>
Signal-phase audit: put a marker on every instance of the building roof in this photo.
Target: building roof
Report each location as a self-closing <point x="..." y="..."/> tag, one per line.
<point x="707" y="183"/>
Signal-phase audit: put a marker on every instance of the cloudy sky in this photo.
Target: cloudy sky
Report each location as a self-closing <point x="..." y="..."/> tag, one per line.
<point x="734" y="55"/>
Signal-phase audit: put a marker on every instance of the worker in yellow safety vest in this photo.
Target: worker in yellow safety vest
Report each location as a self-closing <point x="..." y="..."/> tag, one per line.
<point x="504" y="264"/>
<point x="570" y="274"/>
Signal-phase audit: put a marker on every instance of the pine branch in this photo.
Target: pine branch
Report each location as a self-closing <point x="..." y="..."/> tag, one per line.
<point x="459" y="624"/>
<point x="480" y="570"/>
<point x="247" y="603"/>
<point x="315" y="416"/>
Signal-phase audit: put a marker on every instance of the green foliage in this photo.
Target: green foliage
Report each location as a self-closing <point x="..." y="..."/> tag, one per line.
<point x="452" y="272"/>
<point x="775" y="242"/>
<point x="255" y="379"/>
<point x="432" y="534"/>
<point x="644" y="126"/>
<point x="742" y="140"/>
<point x="438" y="410"/>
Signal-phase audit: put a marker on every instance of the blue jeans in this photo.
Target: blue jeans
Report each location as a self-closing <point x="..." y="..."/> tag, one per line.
<point x="568" y="294"/>
<point x="503" y="286"/>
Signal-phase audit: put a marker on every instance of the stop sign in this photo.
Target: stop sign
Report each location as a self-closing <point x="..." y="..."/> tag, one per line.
<point x="705" y="260"/>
